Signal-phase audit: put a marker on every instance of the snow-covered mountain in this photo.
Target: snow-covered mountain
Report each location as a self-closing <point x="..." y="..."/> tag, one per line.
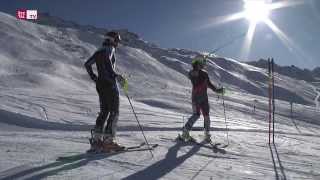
<point x="65" y="43"/>
<point x="225" y="71"/>
<point x="291" y="71"/>
<point x="44" y="86"/>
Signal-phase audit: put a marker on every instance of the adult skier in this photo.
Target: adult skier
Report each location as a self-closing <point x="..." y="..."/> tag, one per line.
<point x="103" y="138"/>
<point x="200" y="82"/>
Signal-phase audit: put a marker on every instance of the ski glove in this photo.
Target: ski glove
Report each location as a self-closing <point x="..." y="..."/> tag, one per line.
<point x="120" y="78"/>
<point x="94" y="78"/>
<point x="123" y="82"/>
<point x="220" y="90"/>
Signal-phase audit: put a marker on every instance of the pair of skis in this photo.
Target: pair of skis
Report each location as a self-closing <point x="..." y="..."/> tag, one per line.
<point x="205" y="144"/>
<point x="141" y="147"/>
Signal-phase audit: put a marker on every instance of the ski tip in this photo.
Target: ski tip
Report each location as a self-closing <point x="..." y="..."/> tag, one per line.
<point x="219" y="145"/>
<point x="225" y="146"/>
<point x="155" y="145"/>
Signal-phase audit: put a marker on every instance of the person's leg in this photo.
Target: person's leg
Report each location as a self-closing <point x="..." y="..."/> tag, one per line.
<point x="112" y="124"/>
<point x="112" y="121"/>
<point x="205" y="108"/>
<point x="189" y="124"/>
<point x="104" y="111"/>
<point x="96" y="141"/>
<point x="195" y="116"/>
<point x="111" y="127"/>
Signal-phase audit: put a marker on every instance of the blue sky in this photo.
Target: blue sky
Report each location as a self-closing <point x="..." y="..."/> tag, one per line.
<point x="179" y="24"/>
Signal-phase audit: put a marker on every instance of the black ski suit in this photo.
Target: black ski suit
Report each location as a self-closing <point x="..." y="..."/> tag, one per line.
<point x="107" y="88"/>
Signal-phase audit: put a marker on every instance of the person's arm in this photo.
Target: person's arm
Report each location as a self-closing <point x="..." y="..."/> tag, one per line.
<point x="213" y="87"/>
<point x="189" y="74"/>
<point x="112" y="65"/>
<point x="191" y="77"/>
<point x="112" y="61"/>
<point x="88" y="65"/>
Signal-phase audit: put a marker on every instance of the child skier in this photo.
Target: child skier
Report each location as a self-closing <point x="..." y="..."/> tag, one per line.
<point x="200" y="82"/>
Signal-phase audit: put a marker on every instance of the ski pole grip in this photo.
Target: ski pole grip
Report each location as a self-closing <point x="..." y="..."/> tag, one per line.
<point x="126" y="86"/>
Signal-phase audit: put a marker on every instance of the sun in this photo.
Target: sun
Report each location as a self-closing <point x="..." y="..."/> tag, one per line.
<point x="256" y="11"/>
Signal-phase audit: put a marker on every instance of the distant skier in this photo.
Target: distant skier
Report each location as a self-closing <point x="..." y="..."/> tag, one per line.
<point x="200" y="82"/>
<point x="106" y="86"/>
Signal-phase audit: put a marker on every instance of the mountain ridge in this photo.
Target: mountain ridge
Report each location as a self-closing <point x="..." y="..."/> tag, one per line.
<point x="291" y="71"/>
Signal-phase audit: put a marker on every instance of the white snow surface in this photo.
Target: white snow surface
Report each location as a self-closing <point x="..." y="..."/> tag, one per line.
<point x="48" y="106"/>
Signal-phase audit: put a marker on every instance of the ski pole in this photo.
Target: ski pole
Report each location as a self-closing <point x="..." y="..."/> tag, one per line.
<point x="228" y="43"/>
<point x="225" y="117"/>
<point x="125" y="86"/>
<point x="223" y="46"/>
<point x="135" y="115"/>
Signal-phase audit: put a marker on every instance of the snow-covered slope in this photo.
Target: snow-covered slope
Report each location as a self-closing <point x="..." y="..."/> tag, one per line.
<point x="48" y="104"/>
<point x="235" y="75"/>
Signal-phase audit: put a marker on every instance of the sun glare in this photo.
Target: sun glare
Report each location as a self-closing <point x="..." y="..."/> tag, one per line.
<point x="256" y="11"/>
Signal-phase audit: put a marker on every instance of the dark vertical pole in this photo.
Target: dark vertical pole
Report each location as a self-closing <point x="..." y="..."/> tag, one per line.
<point x="273" y="104"/>
<point x="269" y="84"/>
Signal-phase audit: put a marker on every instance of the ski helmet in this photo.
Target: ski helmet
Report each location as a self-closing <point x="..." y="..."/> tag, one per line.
<point x="198" y="60"/>
<point x="113" y="36"/>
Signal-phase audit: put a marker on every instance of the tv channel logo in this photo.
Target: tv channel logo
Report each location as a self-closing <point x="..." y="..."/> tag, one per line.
<point x="27" y="14"/>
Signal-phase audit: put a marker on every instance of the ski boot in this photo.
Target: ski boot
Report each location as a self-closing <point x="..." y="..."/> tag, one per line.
<point x="207" y="137"/>
<point x="185" y="136"/>
<point x="110" y="145"/>
<point x="95" y="141"/>
<point x="95" y="145"/>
